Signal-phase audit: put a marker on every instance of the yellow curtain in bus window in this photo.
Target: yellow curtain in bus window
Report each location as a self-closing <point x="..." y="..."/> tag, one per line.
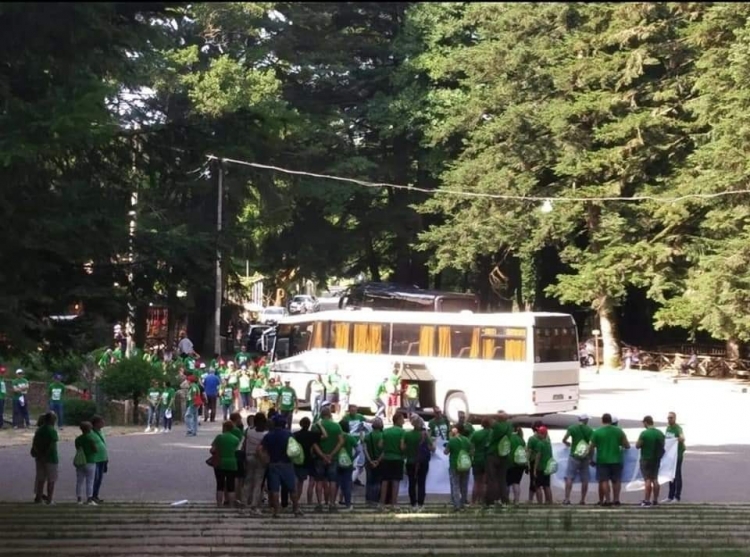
<point x="361" y="340"/>
<point x="317" y="340"/>
<point x="515" y="348"/>
<point x="375" y="338"/>
<point x="474" y="351"/>
<point x="426" y="340"/>
<point x="488" y="344"/>
<point x="341" y="331"/>
<point x="444" y="342"/>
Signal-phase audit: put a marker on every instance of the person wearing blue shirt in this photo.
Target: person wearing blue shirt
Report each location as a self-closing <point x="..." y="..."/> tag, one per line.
<point x="280" y="468"/>
<point x="211" y="386"/>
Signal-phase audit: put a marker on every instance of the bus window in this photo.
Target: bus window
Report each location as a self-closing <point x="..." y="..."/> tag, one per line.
<point x="406" y="339"/>
<point x="340" y="335"/>
<point x="300" y="337"/>
<point x="370" y="338"/>
<point x="555" y="344"/>
<point x="319" y="334"/>
<point x="500" y="343"/>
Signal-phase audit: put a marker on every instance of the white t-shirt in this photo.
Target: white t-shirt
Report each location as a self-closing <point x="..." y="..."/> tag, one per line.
<point x="185" y="346"/>
<point x="252" y="440"/>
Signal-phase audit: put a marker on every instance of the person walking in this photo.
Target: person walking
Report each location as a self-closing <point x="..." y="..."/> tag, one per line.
<point x="167" y="406"/>
<point x="223" y="453"/>
<point x="498" y="458"/>
<point x="55" y="394"/>
<point x="226" y="397"/>
<point x="20" y="388"/>
<point x="458" y="450"/>
<point x="578" y="437"/>
<point x="674" y="431"/>
<point x="101" y="459"/>
<point x="280" y="469"/>
<point x="651" y="444"/>
<point x="288" y="403"/>
<point x="211" y="385"/>
<point x="418" y="449"/>
<point x="85" y="473"/>
<point x="245" y="385"/>
<point x="393" y="446"/>
<point x="607" y="443"/>
<point x="193" y="403"/>
<point x="44" y="451"/>
<point x="154" y="398"/>
<point x="255" y="466"/>
<point x="381" y="398"/>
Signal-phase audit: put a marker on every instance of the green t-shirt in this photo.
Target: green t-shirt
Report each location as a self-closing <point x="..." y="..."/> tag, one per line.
<point x="23" y="383"/>
<point x="273" y="394"/>
<point x="3" y="389"/>
<point x="439" y="427"/>
<point x="372" y="442"/>
<point x="532" y="446"/>
<point x="333" y="430"/>
<point x="245" y="383"/>
<point x="344" y="387"/>
<point x="237" y="432"/>
<point x="578" y="433"/>
<point x="226" y="444"/>
<point x="45" y="441"/>
<point x="332" y="383"/>
<point x="674" y="432"/>
<point x="544" y="449"/>
<point x="287" y="399"/>
<point x="55" y="391"/>
<point x="266" y="371"/>
<point x="456" y="445"/>
<point x="101" y="446"/>
<point x="193" y="390"/>
<point x="350" y="443"/>
<point x="608" y="440"/>
<point x="479" y="440"/>
<point x="651" y="439"/>
<point x="499" y="430"/>
<point x="382" y="389"/>
<point x="392" y="443"/>
<point x="412" y="439"/>
<point x="353" y="421"/>
<point x="226" y="396"/>
<point x="466" y="429"/>
<point x="259" y="383"/>
<point x="241" y="358"/>
<point x="167" y="397"/>
<point x="87" y="442"/>
<point x="154" y="394"/>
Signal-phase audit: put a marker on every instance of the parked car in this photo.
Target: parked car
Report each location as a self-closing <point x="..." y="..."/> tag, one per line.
<point x="303" y="304"/>
<point x="272" y="314"/>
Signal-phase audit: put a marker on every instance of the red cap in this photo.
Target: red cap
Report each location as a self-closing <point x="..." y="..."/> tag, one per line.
<point x="192" y="379"/>
<point x="542" y="430"/>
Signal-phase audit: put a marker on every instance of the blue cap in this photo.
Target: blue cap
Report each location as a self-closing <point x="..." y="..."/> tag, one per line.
<point x="278" y="419"/>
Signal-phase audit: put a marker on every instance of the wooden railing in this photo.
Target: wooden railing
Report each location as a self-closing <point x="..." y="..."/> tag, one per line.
<point x="704" y="365"/>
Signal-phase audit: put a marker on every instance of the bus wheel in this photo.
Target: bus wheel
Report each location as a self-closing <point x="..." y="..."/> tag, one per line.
<point x="454" y="403"/>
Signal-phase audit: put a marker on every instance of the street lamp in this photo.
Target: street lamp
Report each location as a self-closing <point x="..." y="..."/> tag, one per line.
<point x="596" y="333"/>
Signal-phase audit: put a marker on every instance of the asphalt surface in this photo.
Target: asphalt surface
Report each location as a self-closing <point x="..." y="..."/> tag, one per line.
<point x="171" y="467"/>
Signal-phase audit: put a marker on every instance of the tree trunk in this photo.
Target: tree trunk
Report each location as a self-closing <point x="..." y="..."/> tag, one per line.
<point x="372" y="258"/>
<point x="608" y="328"/>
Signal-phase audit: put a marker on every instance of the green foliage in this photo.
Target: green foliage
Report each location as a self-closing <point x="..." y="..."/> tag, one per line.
<point x="128" y="379"/>
<point x="76" y="411"/>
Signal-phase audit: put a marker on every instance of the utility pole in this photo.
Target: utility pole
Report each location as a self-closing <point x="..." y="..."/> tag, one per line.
<point x="217" y="300"/>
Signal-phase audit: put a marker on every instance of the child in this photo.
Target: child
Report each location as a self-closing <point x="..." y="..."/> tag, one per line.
<point x="86" y="472"/>
<point x="227" y="397"/>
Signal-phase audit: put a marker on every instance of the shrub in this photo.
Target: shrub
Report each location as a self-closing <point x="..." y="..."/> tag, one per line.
<point x="129" y="379"/>
<point x="76" y="410"/>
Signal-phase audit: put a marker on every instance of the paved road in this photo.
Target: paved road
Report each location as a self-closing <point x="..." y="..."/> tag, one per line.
<point x="170" y="467"/>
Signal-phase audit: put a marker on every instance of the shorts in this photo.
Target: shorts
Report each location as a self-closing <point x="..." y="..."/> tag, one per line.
<point x="391" y="470"/>
<point x="332" y="398"/>
<point x="225" y="480"/>
<point x="577" y="467"/>
<point x="650" y="469"/>
<point x="542" y="480"/>
<point x="240" y="456"/>
<point x="514" y="475"/>
<point x="301" y="473"/>
<point x="281" y="473"/>
<point x="609" y="472"/>
<point x="46" y="471"/>
<point x="326" y="472"/>
<point x="478" y="469"/>
<point x="394" y="400"/>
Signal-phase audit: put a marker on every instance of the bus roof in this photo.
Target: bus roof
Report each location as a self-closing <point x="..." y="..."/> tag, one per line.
<point x="517" y="319"/>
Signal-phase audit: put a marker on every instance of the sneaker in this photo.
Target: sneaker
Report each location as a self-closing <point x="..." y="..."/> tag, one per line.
<point x="645" y="503"/>
<point x="566" y="502"/>
<point x="92" y="503"/>
<point x="50" y="502"/>
<point x="420" y="508"/>
<point x="616" y="504"/>
<point x="97" y="500"/>
<point x="298" y="512"/>
<point x="79" y="501"/>
<point x="667" y="500"/>
<point x="347" y="509"/>
<point x="147" y="430"/>
<point x="38" y="501"/>
<point x="255" y="512"/>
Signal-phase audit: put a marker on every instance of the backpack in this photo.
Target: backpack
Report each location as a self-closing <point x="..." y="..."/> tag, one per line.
<point x="519" y="456"/>
<point x="503" y="447"/>
<point x="80" y="458"/>
<point x="581" y="449"/>
<point x="344" y="459"/>
<point x="295" y="452"/>
<point x="463" y="462"/>
<point x="551" y="467"/>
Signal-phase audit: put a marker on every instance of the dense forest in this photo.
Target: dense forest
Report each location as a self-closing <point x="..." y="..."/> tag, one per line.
<point x="483" y="108"/>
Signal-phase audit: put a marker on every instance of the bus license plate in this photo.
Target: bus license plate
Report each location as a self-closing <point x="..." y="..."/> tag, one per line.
<point x="558" y="397"/>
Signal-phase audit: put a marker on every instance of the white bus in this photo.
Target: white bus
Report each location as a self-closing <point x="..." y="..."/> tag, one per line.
<point x="523" y="363"/>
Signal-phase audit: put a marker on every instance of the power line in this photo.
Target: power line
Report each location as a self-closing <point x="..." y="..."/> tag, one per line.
<point x="507" y="197"/>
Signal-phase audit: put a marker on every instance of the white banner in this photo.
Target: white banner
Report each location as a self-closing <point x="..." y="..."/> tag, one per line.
<point x="439" y="483"/>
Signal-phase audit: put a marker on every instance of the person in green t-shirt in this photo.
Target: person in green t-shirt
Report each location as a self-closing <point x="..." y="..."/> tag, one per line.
<point x="86" y="442"/>
<point x="373" y="456"/>
<point x="55" y="394"/>
<point x="317" y="396"/>
<point x="394" y="391"/>
<point x="345" y="473"/>
<point x="578" y="437"/>
<point x="608" y="442"/>
<point x="20" y="388"/>
<point x="651" y="443"/>
<point x="439" y="425"/>
<point x="167" y="406"/>
<point x="543" y="452"/>
<point x="44" y="451"/>
<point x="245" y="383"/>
<point x="496" y="465"/>
<point x="353" y="418"/>
<point x="226" y="397"/>
<point x="479" y="440"/>
<point x="242" y="358"/>
<point x="345" y="391"/>
<point x="459" y="479"/>
<point x="327" y="449"/>
<point x="192" y="405"/>
<point x="259" y="390"/>
<point x="381" y="398"/>
<point x="3" y="395"/>
<point x="418" y="449"/>
<point x="154" y="399"/>
<point x="392" y="472"/>
<point x="223" y="450"/>
<point x="411" y="395"/>
<point x="332" y="389"/>
<point x="516" y="469"/>
<point x="102" y="456"/>
<point x="287" y="403"/>
<point x="674" y="431"/>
